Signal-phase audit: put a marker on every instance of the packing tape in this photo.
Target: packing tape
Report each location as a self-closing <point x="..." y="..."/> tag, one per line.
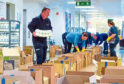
<point x="106" y="64"/>
<point x="61" y="61"/>
<point x="3" y="81"/>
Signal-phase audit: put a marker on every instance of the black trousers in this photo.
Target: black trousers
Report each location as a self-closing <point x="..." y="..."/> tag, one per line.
<point x="112" y="49"/>
<point x="64" y="41"/>
<point x="41" y="51"/>
<point x="68" y="46"/>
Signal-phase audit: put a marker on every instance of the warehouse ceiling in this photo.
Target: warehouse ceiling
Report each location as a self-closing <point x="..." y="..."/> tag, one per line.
<point x="111" y="8"/>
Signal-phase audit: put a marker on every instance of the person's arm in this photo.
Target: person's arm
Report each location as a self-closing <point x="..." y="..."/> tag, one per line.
<point x="83" y="45"/>
<point x="96" y="42"/>
<point x="76" y="43"/>
<point x="112" y="36"/>
<point x="32" y="25"/>
<point x="101" y="40"/>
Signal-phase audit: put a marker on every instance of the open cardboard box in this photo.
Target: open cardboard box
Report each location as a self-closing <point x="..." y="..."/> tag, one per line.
<point x="73" y="77"/>
<point x="25" y="76"/>
<point x="47" y="70"/>
<point x="113" y="74"/>
<point x="105" y="62"/>
<point x="112" y="79"/>
<point x="114" y="70"/>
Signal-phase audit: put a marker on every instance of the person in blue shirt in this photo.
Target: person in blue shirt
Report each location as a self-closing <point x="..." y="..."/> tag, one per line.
<point x="90" y="40"/>
<point x="113" y="38"/>
<point x="99" y="39"/>
<point x="64" y="41"/>
<point x="76" y="39"/>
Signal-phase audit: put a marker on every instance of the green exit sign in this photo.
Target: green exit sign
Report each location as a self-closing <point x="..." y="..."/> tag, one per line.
<point x="83" y="3"/>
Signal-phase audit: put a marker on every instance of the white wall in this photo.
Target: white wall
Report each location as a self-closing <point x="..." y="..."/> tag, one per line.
<point x="2" y="9"/>
<point x="33" y="9"/>
<point x="18" y="14"/>
<point x="58" y="23"/>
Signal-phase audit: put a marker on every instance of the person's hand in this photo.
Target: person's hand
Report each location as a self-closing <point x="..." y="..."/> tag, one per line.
<point x="77" y="49"/>
<point x="89" y="45"/>
<point x="108" y="39"/>
<point x="34" y="34"/>
<point x="83" y="49"/>
<point x="97" y="45"/>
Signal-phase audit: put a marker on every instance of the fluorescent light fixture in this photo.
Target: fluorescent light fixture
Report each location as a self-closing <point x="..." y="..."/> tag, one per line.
<point x="84" y="7"/>
<point x="89" y="10"/>
<point x="94" y="13"/>
<point x="71" y="2"/>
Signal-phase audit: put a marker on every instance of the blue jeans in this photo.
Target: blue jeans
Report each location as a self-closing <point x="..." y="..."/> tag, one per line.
<point x="41" y="51"/>
<point x="112" y="49"/>
<point x="105" y="51"/>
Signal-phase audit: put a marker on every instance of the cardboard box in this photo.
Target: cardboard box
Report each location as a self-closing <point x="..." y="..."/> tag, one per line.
<point x="11" y="64"/>
<point x="29" y="59"/>
<point x="108" y="58"/>
<point x="79" y="73"/>
<point x="26" y="59"/>
<point x="87" y="58"/>
<point x="25" y="66"/>
<point x="8" y="66"/>
<point x="78" y="59"/>
<point x="114" y="70"/>
<point x="112" y="79"/>
<point x="107" y="61"/>
<point x="28" y="50"/>
<point x="11" y="56"/>
<point x="53" y="50"/>
<point x="10" y="52"/>
<point x="48" y="71"/>
<point x="46" y="80"/>
<point x="101" y="67"/>
<point x="14" y="79"/>
<point x="23" y="76"/>
<point x="1" y="63"/>
<point x="75" y="78"/>
<point x="36" y="74"/>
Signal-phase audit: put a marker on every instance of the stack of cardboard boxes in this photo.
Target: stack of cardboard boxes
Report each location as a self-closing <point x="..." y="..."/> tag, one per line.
<point x="1" y="61"/>
<point x="107" y="61"/>
<point x="113" y="74"/>
<point x="11" y="58"/>
<point x="75" y="61"/>
<point x="26" y="57"/>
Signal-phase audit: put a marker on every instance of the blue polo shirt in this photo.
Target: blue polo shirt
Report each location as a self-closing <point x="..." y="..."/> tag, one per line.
<point x="114" y="30"/>
<point x="75" y="38"/>
<point x="100" y="38"/>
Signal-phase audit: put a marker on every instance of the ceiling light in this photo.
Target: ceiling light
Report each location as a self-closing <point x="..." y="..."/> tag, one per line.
<point x="84" y="7"/>
<point x="89" y="10"/>
<point x="94" y="13"/>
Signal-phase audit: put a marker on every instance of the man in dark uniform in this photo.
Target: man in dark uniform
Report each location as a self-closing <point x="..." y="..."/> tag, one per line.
<point x="40" y="22"/>
<point x="99" y="39"/>
<point x="64" y="41"/>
